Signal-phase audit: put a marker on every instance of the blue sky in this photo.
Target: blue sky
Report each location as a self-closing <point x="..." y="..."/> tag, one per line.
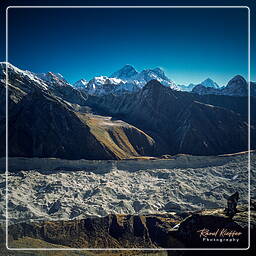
<point x="189" y="44"/>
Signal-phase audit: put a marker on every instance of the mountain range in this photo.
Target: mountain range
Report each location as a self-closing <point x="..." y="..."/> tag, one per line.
<point x="207" y="83"/>
<point x="48" y="117"/>
<point x="237" y="86"/>
<point x="128" y="79"/>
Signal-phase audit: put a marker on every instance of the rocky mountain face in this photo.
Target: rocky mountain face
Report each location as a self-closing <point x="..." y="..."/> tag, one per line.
<point x="50" y="118"/>
<point x="125" y="73"/>
<point x="41" y="126"/>
<point x="202" y="90"/>
<point x="180" y="121"/>
<point x="237" y="86"/>
<point x="80" y="84"/>
<point x="44" y="126"/>
<point x="52" y="79"/>
<point x="27" y="82"/>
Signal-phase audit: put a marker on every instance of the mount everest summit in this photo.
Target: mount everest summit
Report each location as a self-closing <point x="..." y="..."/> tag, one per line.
<point x="126" y="79"/>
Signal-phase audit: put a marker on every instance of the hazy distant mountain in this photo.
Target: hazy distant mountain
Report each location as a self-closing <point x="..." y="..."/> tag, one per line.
<point x="237" y="86"/>
<point x="186" y="88"/>
<point x="202" y="90"/>
<point x="209" y="83"/>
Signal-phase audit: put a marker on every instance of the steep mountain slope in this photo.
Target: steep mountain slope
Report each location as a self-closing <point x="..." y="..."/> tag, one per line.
<point x="52" y="79"/>
<point x="208" y="128"/>
<point x="237" y="104"/>
<point x="49" y="82"/>
<point x="43" y="126"/>
<point x="120" y="138"/>
<point x="179" y="119"/>
<point x="125" y="73"/>
<point x="80" y="84"/>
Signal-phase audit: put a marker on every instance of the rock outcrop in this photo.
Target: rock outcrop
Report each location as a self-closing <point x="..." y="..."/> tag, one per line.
<point x="208" y="228"/>
<point x="113" y="231"/>
<point x="232" y="204"/>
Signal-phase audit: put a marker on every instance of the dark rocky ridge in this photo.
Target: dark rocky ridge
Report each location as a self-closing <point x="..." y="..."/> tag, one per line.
<point x="25" y="84"/>
<point x="43" y="126"/>
<point x="179" y="120"/>
<point x="126" y="231"/>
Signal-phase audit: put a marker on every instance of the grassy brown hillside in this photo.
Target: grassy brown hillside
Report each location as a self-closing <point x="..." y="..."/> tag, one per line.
<point x="121" y="139"/>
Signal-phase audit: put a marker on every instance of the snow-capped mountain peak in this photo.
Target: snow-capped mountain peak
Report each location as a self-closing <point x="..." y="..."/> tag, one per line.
<point x="125" y="73"/>
<point x="126" y="79"/>
<point x="100" y="80"/>
<point x="80" y="84"/>
<point x="210" y="83"/>
<point x="53" y="79"/>
<point x="160" y="73"/>
<point x="24" y="74"/>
